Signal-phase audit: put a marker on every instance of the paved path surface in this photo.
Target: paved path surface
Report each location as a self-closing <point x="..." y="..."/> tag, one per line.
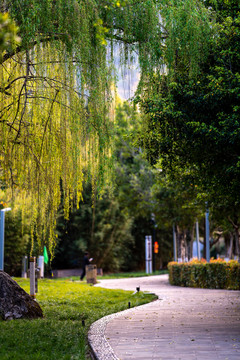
<point x="184" y="324"/>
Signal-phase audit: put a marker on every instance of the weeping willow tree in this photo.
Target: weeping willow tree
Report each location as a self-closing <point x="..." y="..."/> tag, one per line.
<point x="55" y="108"/>
<point x="8" y="34"/>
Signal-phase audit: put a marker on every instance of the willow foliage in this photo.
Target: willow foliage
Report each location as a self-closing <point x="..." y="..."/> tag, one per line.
<point x="8" y="34"/>
<point x="55" y="108"/>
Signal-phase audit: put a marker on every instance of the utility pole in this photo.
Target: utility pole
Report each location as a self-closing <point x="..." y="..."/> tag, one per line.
<point x="207" y="234"/>
<point x="174" y="244"/>
<point x="197" y="240"/>
<point x="148" y="253"/>
<point x="2" y="227"/>
<point x="153" y="242"/>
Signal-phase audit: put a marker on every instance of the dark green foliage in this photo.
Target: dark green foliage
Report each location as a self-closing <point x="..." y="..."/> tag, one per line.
<point x="192" y="127"/>
<point x="233" y="277"/>
<point x="194" y="123"/>
<point x="17" y="239"/>
<point x="213" y="275"/>
<point x="105" y="231"/>
<point x="189" y="90"/>
<point x="174" y="275"/>
<point x="73" y="235"/>
<point x="114" y="229"/>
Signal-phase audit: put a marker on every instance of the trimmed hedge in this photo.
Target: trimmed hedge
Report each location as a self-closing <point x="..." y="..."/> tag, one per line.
<point x="217" y="274"/>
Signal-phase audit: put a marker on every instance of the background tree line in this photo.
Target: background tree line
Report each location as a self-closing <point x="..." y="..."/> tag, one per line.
<point x="192" y="130"/>
<point x="113" y="229"/>
<point x="189" y="100"/>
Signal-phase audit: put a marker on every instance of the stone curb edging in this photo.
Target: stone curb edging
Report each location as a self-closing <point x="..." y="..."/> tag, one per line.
<point x="99" y="346"/>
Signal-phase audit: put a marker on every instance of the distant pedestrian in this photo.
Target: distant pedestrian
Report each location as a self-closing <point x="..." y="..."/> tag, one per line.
<point x="86" y="261"/>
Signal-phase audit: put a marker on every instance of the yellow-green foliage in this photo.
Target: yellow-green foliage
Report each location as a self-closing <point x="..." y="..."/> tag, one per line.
<point x="8" y="34"/>
<point x="54" y="128"/>
<point x="55" y="93"/>
<point x="217" y="274"/>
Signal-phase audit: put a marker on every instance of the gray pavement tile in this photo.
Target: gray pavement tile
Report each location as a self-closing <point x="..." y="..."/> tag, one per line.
<point x="186" y="357"/>
<point x="166" y="357"/>
<point x="166" y="329"/>
<point x="229" y="357"/>
<point x="206" y="357"/>
<point x="210" y="353"/>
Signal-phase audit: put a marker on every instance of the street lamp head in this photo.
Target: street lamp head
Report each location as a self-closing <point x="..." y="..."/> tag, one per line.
<point x="6" y="209"/>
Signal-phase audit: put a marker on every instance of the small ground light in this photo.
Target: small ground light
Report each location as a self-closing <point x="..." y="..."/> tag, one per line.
<point x="129" y="305"/>
<point x="138" y="288"/>
<point x="83" y="323"/>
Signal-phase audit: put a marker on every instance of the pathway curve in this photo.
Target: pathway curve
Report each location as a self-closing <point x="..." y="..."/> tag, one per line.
<point x="184" y="324"/>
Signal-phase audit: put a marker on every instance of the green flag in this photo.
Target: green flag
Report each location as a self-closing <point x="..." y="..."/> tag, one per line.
<point x="45" y="254"/>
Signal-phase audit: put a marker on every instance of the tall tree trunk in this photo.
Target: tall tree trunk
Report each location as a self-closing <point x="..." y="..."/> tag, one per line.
<point x="186" y="256"/>
<point x="204" y="241"/>
<point x="229" y="244"/>
<point x="180" y="235"/>
<point x="235" y="225"/>
<point x="190" y="239"/>
<point x="237" y="252"/>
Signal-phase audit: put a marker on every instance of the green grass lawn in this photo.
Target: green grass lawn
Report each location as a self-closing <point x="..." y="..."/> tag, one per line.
<point x="60" y="334"/>
<point x="124" y="275"/>
<point x="132" y="274"/>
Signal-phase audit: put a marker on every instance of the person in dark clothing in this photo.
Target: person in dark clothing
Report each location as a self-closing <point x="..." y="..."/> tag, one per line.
<point x="86" y="261"/>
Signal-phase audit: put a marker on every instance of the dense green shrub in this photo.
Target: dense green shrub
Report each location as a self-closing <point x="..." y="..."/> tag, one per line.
<point x="217" y="274"/>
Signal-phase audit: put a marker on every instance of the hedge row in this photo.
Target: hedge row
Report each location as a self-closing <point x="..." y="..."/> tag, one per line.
<point x="217" y="274"/>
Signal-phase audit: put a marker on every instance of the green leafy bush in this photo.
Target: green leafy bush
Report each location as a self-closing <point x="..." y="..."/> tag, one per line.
<point x="217" y="274"/>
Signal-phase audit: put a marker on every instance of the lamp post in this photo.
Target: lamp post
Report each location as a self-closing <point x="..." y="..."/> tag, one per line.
<point x="197" y="241"/>
<point x="154" y="239"/>
<point x="174" y="244"/>
<point x="2" y="223"/>
<point x="148" y="253"/>
<point x="207" y="234"/>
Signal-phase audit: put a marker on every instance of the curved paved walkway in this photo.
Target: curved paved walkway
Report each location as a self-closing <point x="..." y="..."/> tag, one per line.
<point x="184" y="324"/>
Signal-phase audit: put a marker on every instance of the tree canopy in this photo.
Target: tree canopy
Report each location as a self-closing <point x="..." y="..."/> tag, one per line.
<point x="192" y="132"/>
<point x="56" y="88"/>
<point x="194" y="123"/>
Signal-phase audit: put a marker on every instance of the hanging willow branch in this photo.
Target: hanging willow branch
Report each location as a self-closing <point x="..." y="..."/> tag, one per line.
<point x="53" y="109"/>
<point x="55" y="96"/>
